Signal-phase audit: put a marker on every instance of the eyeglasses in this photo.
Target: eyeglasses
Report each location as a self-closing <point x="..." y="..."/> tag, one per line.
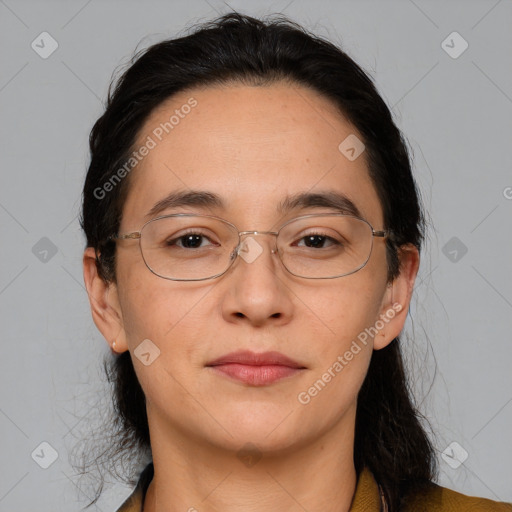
<point x="190" y="247"/>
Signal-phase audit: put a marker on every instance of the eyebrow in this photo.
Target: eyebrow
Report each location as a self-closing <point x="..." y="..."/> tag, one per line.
<point x="209" y="200"/>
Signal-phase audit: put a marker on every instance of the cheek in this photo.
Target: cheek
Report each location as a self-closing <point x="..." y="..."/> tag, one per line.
<point x="344" y="309"/>
<point x="150" y="305"/>
<point x="159" y="310"/>
<point x="340" y="346"/>
<point x="172" y="316"/>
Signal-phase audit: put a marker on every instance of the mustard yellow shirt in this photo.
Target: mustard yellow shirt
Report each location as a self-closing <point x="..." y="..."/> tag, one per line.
<point x="366" y="498"/>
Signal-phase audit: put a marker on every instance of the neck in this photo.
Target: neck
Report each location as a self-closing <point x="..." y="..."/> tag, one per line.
<point x="192" y="476"/>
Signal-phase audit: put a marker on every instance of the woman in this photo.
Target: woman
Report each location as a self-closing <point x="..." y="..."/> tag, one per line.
<point x="253" y="236"/>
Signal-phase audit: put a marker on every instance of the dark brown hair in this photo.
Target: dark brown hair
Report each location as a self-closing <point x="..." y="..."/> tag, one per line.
<point x="389" y="437"/>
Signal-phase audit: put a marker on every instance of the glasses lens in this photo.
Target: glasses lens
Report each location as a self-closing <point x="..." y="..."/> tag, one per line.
<point x="325" y="246"/>
<point x="188" y="247"/>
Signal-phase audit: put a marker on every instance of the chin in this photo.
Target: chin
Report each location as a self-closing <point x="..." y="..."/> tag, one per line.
<point x="270" y="427"/>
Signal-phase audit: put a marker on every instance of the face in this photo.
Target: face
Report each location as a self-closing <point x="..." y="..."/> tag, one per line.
<point x="253" y="147"/>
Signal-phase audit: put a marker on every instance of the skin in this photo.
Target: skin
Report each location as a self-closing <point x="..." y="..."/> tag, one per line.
<point x="252" y="146"/>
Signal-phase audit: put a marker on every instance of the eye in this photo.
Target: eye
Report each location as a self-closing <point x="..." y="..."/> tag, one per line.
<point x="192" y="239"/>
<point x="318" y="241"/>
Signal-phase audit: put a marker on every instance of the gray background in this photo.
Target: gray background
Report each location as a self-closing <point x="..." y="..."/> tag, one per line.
<point x="456" y="114"/>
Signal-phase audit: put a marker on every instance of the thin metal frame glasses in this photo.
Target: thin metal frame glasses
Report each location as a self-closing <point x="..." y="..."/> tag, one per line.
<point x="354" y="245"/>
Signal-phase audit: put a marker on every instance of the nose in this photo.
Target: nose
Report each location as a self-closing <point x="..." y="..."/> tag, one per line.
<point x="256" y="291"/>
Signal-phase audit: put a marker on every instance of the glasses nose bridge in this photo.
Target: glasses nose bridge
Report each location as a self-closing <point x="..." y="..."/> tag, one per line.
<point x="255" y="233"/>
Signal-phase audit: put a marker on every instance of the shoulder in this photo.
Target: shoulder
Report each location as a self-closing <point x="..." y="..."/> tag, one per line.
<point x="441" y="499"/>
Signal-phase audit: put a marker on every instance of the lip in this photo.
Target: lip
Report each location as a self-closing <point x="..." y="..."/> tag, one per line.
<point x="246" y="357"/>
<point x="256" y="369"/>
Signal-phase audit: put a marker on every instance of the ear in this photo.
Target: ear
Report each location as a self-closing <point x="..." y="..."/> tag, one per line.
<point x="104" y="301"/>
<point x="397" y="297"/>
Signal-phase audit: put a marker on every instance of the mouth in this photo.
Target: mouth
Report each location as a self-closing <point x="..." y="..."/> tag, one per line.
<point x="256" y="369"/>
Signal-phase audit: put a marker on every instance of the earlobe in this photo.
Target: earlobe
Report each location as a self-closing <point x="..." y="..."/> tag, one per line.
<point x="397" y="297"/>
<point x="104" y="302"/>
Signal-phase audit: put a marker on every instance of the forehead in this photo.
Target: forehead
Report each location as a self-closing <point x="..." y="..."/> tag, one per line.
<point x="250" y="145"/>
